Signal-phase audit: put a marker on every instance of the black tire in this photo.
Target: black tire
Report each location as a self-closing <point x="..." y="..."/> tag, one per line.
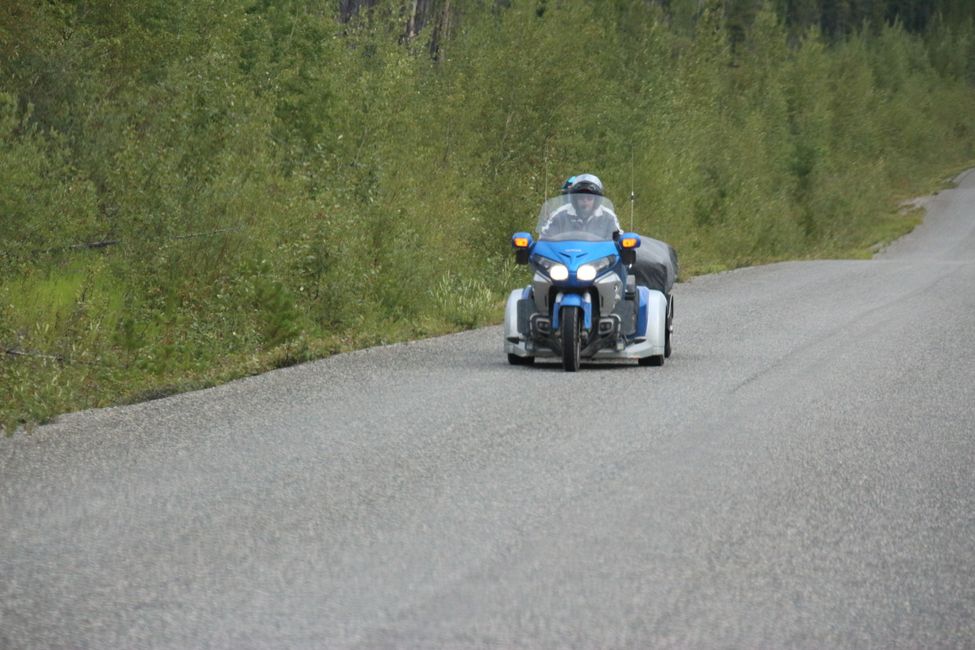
<point x="515" y="360"/>
<point x="571" y="338"/>
<point x="670" y="323"/>
<point x="656" y="360"/>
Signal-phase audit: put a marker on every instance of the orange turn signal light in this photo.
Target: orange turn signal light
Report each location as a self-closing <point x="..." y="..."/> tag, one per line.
<point x="628" y="242"/>
<point x="521" y="242"/>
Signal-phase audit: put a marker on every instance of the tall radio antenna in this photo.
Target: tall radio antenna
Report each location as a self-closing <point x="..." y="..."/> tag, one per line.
<point x="632" y="190"/>
<point x="545" y="191"/>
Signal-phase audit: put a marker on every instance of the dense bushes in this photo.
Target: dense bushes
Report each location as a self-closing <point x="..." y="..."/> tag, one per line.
<point x="282" y="185"/>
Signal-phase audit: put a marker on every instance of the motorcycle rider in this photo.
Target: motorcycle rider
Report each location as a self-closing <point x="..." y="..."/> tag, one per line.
<point x="584" y="211"/>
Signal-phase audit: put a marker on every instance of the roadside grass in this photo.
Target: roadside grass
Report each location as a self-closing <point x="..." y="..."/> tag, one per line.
<point x="40" y="385"/>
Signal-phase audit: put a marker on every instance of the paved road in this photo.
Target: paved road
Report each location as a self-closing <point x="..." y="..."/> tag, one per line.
<point x="799" y="475"/>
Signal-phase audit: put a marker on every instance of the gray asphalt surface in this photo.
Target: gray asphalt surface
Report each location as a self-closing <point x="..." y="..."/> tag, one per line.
<point x="798" y="475"/>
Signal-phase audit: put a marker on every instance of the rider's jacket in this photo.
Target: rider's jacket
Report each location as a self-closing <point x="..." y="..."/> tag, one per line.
<point x="602" y="222"/>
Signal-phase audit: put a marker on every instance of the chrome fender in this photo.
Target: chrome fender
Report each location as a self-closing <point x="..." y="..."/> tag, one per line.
<point x="511" y="332"/>
<point x="655" y="332"/>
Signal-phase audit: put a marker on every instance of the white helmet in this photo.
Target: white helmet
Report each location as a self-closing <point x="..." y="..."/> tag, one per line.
<point x="586" y="184"/>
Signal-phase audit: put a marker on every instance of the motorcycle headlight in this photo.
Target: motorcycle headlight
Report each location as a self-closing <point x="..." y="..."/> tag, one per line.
<point x="586" y="272"/>
<point x="555" y="270"/>
<point x="589" y="271"/>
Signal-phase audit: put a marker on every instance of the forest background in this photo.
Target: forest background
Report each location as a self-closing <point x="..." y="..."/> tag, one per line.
<point x="192" y="191"/>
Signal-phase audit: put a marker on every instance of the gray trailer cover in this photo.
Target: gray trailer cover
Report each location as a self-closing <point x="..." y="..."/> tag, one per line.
<point x="656" y="265"/>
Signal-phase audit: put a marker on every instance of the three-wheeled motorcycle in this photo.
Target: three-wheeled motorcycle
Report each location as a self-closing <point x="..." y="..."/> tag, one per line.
<point x="591" y="296"/>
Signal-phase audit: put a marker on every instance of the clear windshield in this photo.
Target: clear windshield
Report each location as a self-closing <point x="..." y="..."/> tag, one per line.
<point x="582" y="217"/>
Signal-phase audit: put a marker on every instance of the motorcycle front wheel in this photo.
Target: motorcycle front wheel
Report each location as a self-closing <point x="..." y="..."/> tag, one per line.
<point x="571" y="338"/>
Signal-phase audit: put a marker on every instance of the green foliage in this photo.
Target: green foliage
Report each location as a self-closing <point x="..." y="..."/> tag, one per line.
<point x="284" y="185"/>
<point x="45" y="203"/>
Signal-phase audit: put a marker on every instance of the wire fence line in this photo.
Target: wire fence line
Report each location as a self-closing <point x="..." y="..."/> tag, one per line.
<point x="18" y="353"/>
<point x="14" y="352"/>
<point x="105" y="243"/>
